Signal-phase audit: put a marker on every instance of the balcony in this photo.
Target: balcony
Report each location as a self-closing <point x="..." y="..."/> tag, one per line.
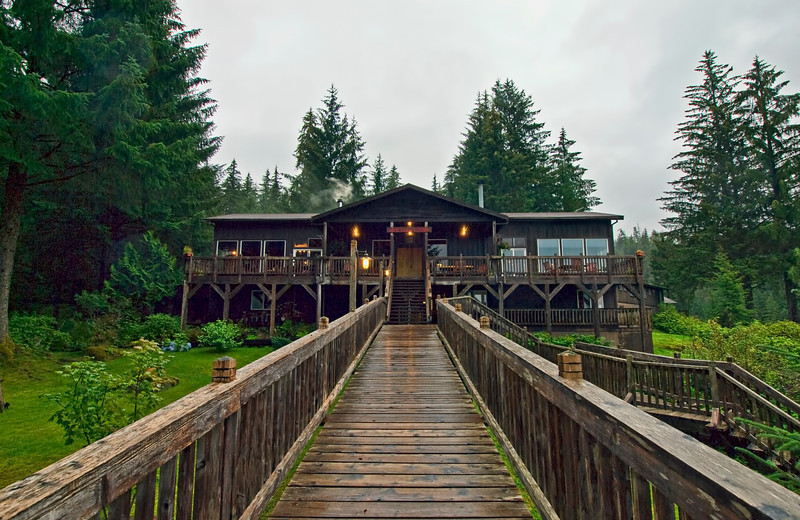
<point x="443" y="270"/>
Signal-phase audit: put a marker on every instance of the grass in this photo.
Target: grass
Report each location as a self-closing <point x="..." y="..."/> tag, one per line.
<point x="665" y="344"/>
<point x="31" y="441"/>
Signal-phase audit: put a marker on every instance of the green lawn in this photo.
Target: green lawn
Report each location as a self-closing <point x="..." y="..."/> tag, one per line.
<point x="31" y="441"/>
<point x="665" y="344"/>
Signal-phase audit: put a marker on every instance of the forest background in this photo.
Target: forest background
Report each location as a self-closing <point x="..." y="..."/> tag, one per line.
<point x="107" y="134"/>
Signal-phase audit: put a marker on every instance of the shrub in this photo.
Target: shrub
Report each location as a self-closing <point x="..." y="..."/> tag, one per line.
<point x="669" y="320"/>
<point x="221" y="335"/>
<point x="571" y="339"/>
<point x="162" y="328"/>
<point x="37" y="332"/>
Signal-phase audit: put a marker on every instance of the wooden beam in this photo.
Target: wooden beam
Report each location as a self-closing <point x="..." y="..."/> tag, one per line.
<point x="184" y="310"/>
<point x="309" y="291"/>
<point x="463" y="291"/>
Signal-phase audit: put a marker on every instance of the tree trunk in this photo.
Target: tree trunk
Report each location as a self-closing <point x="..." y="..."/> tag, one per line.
<point x="791" y="298"/>
<point x="12" y="208"/>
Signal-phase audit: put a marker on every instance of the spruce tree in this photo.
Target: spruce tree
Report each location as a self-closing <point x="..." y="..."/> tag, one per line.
<point x="329" y="158"/>
<point x="393" y="181"/>
<point x="774" y="147"/>
<point x="570" y="190"/>
<point x="715" y="200"/>
<point x="378" y="177"/>
<point x="231" y="188"/>
<point x="99" y="101"/>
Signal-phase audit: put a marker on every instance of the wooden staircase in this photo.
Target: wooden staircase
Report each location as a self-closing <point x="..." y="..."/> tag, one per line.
<point x="408" y="302"/>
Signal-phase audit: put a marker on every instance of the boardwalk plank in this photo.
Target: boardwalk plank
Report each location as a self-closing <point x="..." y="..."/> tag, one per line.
<point x="404" y="442"/>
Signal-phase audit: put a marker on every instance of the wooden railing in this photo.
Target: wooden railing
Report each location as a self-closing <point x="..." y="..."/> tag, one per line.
<point x="577" y="317"/>
<point x="219" y="452"/>
<point x="514" y="267"/>
<point x="446" y="267"/>
<point x="583" y="454"/>
<point x="720" y="391"/>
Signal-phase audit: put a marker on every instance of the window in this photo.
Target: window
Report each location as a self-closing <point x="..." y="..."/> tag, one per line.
<point x="258" y="301"/>
<point x="516" y="247"/>
<point x="572" y="246"/>
<point x="548" y="247"/>
<point x="315" y="243"/>
<point x="596" y="246"/>
<point x="227" y="248"/>
<point x="275" y="247"/>
<point x="251" y="247"/>
<point x="437" y="247"/>
<point x="305" y="252"/>
<point x="381" y="248"/>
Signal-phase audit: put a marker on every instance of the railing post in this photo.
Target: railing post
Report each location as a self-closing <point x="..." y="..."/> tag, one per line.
<point x="569" y="365"/>
<point x="484" y="321"/>
<point x="323" y="322"/>
<point x="716" y="417"/>
<point x="631" y="397"/>
<point x="223" y="370"/>
<point x="458" y="307"/>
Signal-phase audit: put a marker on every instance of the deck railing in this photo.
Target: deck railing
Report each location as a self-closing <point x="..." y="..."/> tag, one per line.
<point x="583" y="454"/>
<point x="722" y="391"/>
<point x="445" y="267"/>
<point x="219" y="452"/>
<point x="577" y="317"/>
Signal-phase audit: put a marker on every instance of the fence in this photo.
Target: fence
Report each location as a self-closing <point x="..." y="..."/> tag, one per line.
<point x="219" y="452"/>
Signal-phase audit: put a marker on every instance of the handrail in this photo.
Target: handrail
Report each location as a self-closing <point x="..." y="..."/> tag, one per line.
<point x="220" y="451"/>
<point x="700" y="387"/>
<point x="443" y="267"/>
<point x="582" y="453"/>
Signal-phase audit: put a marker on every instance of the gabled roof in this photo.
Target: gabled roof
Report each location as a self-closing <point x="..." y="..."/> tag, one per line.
<point x="425" y="200"/>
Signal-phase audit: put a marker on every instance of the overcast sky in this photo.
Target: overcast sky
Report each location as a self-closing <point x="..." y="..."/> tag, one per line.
<point x="613" y="74"/>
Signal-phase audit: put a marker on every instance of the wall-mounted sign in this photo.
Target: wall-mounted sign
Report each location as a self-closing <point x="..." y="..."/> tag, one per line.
<point x="409" y="229"/>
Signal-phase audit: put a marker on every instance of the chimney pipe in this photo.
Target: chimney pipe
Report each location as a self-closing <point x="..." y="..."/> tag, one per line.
<point x="340" y="203"/>
<point x="480" y="194"/>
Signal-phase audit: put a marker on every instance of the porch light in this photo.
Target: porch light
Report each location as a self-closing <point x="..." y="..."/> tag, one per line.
<point x="463" y="231"/>
<point x="409" y="224"/>
<point x="365" y="262"/>
<point x="386" y="273"/>
<point x="355" y="231"/>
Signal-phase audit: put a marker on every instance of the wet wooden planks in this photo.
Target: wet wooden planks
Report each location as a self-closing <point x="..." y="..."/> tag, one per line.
<point x="403" y="442"/>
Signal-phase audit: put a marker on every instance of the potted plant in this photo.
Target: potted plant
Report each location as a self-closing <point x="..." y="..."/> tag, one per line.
<point x="187" y="251"/>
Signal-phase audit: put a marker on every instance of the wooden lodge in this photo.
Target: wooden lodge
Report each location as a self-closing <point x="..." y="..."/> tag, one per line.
<point x="547" y="271"/>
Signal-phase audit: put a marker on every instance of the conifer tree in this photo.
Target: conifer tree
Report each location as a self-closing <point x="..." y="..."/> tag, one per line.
<point x="272" y="195"/>
<point x="571" y="191"/>
<point x="773" y="139"/>
<point x="714" y="202"/>
<point x="99" y="100"/>
<point x="393" y="181"/>
<point x="379" y="177"/>
<point x="329" y="158"/>
<point x="231" y="188"/>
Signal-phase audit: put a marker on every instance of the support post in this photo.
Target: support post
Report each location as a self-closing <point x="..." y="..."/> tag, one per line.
<point x="226" y="302"/>
<point x="272" y="309"/>
<point x="185" y="305"/>
<point x="596" y="310"/>
<point x="353" y="274"/>
<point x="319" y="300"/>
<point x="548" y="319"/>
<point x="2" y="403"/>
<point x="642" y="303"/>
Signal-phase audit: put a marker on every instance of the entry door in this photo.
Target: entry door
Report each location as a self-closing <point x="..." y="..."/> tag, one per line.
<point x="409" y="262"/>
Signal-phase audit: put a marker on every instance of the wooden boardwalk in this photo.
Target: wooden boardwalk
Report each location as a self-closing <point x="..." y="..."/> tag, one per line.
<point x="403" y="442"/>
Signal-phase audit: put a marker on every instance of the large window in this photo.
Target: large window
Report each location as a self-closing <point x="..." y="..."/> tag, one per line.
<point x="251" y="247"/>
<point x="571" y="246"/>
<point x="227" y="248"/>
<point x="275" y="247"/>
<point x="596" y="246"/>
<point x="548" y="247"/>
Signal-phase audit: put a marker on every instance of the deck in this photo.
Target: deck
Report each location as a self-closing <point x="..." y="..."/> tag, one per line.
<point x="404" y="441"/>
